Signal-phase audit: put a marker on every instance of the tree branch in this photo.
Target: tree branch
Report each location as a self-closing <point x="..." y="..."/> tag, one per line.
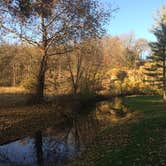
<point x="21" y="36"/>
<point x="60" y="53"/>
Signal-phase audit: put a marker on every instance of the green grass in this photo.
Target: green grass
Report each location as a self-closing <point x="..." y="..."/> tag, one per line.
<point x="140" y="141"/>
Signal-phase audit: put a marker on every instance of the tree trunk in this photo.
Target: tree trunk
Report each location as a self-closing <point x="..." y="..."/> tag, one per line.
<point x="14" y="75"/>
<point x="75" y="87"/>
<point x="164" y="95"/>
<point x="164" y="79"/>
<point x="43" y="65"/>
<point x="39" y="97"/>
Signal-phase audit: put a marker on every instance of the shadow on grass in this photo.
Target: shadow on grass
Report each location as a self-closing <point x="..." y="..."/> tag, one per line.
<point x="13" y="99"/>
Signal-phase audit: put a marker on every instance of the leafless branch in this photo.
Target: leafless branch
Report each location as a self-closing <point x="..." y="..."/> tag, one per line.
<point x="60" y="53"/>
<point x="30" y="41"/>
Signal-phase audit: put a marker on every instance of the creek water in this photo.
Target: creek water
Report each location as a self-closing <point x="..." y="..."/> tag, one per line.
<point x="52" y="146"/>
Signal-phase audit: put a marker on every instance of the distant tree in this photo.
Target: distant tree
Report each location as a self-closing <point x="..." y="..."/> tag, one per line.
<point x="83" y="65"/>
<point x="121" y="75"/>
<point x="51" y="26"/>
<point x="135" y="49"/>
<point x="114" y="52"/>
<point x="157" y="70"/>
<point x="124" y="50"/>
<point x="18" y="64"/>
<point x="7" y="56"/>
<point x="142" y="48"/>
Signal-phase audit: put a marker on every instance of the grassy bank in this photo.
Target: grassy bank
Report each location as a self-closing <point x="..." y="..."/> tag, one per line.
<point x="140" y="141"/>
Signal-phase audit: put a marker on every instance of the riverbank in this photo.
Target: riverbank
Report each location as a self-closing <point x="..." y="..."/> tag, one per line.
<point x="138" y="141"/>
<point x="18" y="96"/>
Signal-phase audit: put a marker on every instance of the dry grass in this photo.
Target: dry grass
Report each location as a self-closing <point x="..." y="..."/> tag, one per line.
<point x="18" y="119"/>
<point x="21" y="121"/>
<point x="12" y="90"/>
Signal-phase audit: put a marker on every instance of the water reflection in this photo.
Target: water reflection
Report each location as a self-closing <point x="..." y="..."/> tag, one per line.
<point x="38" y="146"/>
<point x="54" y="145"/>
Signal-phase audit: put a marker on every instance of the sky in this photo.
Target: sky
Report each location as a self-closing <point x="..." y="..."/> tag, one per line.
<point x="134" y="16"/>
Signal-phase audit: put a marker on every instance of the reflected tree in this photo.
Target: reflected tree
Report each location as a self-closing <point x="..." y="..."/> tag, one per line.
<point x="38" y="148"/>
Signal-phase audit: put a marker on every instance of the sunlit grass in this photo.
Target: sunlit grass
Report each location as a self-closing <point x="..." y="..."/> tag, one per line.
<point x="12" y="90"/>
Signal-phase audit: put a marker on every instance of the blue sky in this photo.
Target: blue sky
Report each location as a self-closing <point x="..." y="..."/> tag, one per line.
<point x="134" y="16"/>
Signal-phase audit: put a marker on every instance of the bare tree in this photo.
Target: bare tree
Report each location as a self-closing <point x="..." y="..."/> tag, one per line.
<point x="84" y="64"/>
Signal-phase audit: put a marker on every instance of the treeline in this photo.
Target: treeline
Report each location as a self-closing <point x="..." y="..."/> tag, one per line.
<point x="102" y="65"/>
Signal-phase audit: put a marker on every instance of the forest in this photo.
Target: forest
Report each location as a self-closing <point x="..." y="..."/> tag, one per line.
<point x="71" y="93"/>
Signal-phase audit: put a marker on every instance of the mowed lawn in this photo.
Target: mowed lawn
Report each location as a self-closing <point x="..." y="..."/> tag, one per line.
<point x="140" y="141"/>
